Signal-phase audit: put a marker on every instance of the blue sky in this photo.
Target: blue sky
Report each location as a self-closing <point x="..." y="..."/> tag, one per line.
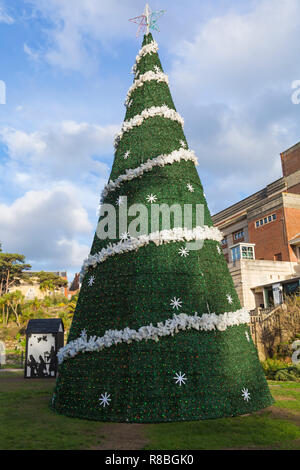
<point x="66" y="65"/>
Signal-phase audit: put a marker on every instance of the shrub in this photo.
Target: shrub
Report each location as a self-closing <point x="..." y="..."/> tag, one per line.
<point x="289" y="374"/>
<point x="271" y="366"/>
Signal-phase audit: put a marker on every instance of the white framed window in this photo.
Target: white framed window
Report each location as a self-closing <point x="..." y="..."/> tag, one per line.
<point x="266" y="220"/>
<point x="243" y="251"/>
<point x="247" y="252"/>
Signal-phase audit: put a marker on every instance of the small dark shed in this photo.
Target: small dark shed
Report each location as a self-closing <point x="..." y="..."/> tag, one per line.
<point x="44" y="337"/>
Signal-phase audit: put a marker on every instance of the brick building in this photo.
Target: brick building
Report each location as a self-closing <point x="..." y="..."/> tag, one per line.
<point x="74" y="286"/>
<point x="262" y="237"/>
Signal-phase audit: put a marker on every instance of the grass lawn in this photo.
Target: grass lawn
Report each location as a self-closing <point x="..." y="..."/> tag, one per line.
<point x="27" y="423"/>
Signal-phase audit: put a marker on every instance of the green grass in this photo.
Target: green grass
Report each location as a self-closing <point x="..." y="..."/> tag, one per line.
<point x="27" y="423"/>
<point x="249" y="432"/>
<point x="267" y="429"/>
<point x="287" y="395"/>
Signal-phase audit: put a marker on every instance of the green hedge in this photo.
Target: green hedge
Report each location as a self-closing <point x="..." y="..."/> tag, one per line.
<point x="275" y="369"/>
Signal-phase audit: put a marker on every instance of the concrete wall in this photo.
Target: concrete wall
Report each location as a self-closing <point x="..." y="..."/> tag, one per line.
<point x="249" y="274"/>
<point x="32" y="291"/>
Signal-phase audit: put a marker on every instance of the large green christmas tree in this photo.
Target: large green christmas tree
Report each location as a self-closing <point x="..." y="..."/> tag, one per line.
<point x="158" y="333"/>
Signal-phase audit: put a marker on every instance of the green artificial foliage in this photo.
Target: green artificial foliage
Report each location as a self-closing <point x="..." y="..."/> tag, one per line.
<point x="134" y="289"/>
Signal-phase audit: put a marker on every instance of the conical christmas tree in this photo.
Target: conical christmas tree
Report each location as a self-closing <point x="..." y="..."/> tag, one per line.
<point x="158" y="333"/>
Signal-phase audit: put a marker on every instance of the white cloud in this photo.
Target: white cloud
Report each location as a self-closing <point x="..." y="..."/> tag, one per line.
<point x="64" y="150"/>
<point x="4" y="16"/>
<point x="45" y="226"/>
<point x="232" y="54"/>
<point x="237" y="153"/>
<point x="232" y="81"/>
<point x="75" y="23"/>
<point x="51" y="226"/>
<point x="31" y="54"/>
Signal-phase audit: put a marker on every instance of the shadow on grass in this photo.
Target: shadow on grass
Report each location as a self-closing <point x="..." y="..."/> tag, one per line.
<point x="27" y="422"/>
<point x="255" y="431"/>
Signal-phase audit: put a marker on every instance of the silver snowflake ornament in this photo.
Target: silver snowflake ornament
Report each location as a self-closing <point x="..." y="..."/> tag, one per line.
<point x="151" y="198"/>
<point x="183" y="252"/>
<point x="246" y="394"/>
<point x="104" y="400"/>
<point x="157" y="69"/>
<point x="125" y="236"/>
<point x="180" y="379"/>
<point x="126" y="155"/>
<point x="247" y="336"/>
<point x="91" y="280"/>
<point x="183" y="144"/>
<point x="190" y="188"/>
<point x="176" y="303"/>
<point x="219" y="250"/>
<point x="229" y="299"/>
<point x="120" y="200"/>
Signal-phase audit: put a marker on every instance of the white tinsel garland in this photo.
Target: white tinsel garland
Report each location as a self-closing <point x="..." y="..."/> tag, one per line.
<point x="161" y="160"/>
<point x="150" y="48"/>
<point x="163" y="111"/>
<point x="146" y="77"/>
<point x="159" y="238"/>
<point x="181" y="322"/>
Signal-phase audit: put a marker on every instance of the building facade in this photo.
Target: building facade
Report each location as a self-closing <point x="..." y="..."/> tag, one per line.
<point x="32" y="290"/>
<point x="262" y="237"/>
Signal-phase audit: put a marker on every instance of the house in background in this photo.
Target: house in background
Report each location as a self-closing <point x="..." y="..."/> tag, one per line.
<point x="262" y="238"/>
<point x="32" y="289"/>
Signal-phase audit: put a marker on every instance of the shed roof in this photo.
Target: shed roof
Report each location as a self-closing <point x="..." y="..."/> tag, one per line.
<point x="45" y="325"/>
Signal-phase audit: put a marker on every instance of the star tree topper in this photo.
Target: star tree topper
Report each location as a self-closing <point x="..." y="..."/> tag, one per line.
<point x="148" y="20"/>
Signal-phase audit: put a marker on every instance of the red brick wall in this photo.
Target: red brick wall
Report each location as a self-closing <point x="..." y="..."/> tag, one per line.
<point x="292" y="217"/>
<point x="290" y="162"/>
<point x="294" y="189"/>
<point x="269" y="238"/>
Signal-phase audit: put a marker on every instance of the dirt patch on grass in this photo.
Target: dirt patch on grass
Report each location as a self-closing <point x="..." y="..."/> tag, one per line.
<point x="282" y="398"/>
<point x="282" y="414"/>
<point x="122" y="436"/>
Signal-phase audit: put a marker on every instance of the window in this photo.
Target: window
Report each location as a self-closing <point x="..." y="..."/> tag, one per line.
<point x="278" y="257"/>
<point x="236" y="254"/>
<point x="238" y="235"/>
<point x="266" y="220"/>
<point x="247" y="252"/>
<point x="224" y="241"/>
<point x="242" y="251"/>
